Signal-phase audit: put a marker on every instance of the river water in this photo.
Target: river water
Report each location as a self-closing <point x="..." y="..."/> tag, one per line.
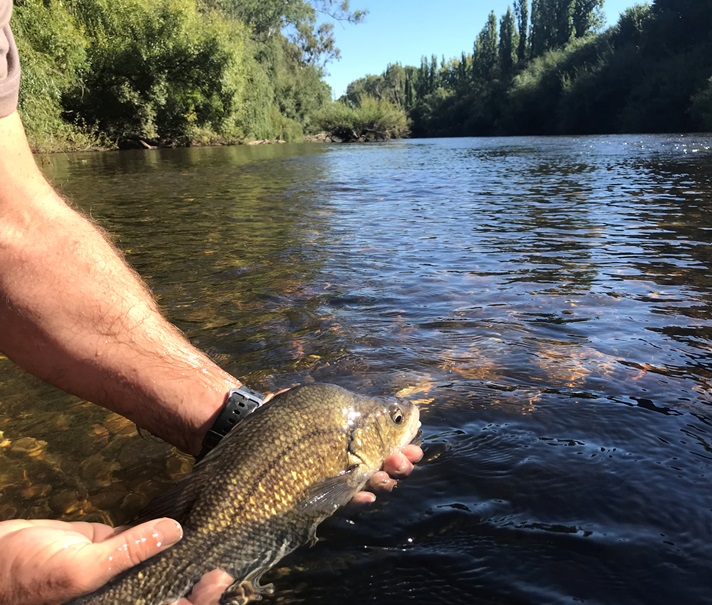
<point x="545" y="300"/>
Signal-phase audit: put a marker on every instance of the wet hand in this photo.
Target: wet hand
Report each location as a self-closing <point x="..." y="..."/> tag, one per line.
<point x="396" y="466"/>
<point x="208" y="590"/>
<point x="49" y="562"/>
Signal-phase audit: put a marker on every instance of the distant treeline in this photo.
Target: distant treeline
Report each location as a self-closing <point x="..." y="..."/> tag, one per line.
<point x="546" y="68"/>
<point x="173" y="72"/>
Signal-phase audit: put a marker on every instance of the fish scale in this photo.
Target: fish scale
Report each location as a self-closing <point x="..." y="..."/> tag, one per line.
<point x="264" y="489"/>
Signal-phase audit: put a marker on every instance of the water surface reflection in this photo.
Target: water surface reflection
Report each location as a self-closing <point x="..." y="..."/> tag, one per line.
<point x="545" y="300"/>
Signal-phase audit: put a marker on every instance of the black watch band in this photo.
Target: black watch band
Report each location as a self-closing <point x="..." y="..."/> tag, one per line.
<point x="239" y="403"/>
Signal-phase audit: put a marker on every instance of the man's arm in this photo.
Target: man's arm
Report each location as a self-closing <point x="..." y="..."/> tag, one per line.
<point x="74" y="314"/>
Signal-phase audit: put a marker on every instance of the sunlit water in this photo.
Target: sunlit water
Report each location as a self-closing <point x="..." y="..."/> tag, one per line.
<point x="546" y="301"/>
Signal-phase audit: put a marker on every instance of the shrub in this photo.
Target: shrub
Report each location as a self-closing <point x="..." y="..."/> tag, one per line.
<point x="372" y="119"/>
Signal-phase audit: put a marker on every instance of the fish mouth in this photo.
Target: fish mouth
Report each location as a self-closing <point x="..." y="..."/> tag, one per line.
<point x="418" y="439"/>
<point x="413" y="430"/>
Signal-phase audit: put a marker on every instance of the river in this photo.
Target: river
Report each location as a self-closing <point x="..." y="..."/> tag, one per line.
<point x="546" y="301"/>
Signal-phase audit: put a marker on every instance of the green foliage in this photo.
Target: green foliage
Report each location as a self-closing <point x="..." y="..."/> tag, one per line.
<point x="372" y="119"/>
<point x="508" y="43"/>
<point x="53" y="53"/>
<point x="521" y="9"/>
<point x="587" y="16"/>
<point x="173" y="72"/>
<point x="486" y="50"/>
<point x="702" y="106"/>
<point x="555" y="74"/>
<point x="554" y="23"/>
<point x="156" y="70"/>
<point x="314" y="40"/>
<point x="396" y="84"/>
<point x="632" y="25"/>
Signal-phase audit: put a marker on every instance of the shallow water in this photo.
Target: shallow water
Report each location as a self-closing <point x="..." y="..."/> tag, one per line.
<point x="545" y="300"/>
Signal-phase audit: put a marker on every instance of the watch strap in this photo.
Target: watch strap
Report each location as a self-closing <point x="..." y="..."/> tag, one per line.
<point x="239" y="404"/>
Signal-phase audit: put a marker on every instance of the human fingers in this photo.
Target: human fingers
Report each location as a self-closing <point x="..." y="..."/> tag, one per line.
<point x="119" y="552"/>
<point x="94" y="532"/>
<point x="413" y="452"/>
<point x="396" y="466"/>
<point x="400" y="464"/>
<point x="362" y="499"/>
<point x="381" y="482"/>
<point x="208" y="590"/>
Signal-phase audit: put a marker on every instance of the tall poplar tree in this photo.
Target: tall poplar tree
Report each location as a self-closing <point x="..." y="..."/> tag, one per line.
<point x="587" y="16"/>
<point x="486" y="50"/>
<point x="562" y="12"/>
<point x="552" y="25"/>
<point x="508" y="40"/>
<point x="521" y="9"/>
<point x="539" y="35"/>
<point x="422" y="81"/>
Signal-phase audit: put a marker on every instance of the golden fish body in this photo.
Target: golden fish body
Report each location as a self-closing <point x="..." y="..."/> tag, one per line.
<point x="262" y="492"/>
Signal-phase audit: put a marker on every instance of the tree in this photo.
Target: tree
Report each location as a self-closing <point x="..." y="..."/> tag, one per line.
<point x="702" y="107"/>
<point x="433" y="74"/>
<point x="562" y="12"/>
<point x="552" y="25"/>
<point x="370" y="120"/>
<point x="411" y="74"/>
<point x="521" y="9"/>
<point x="508" y="43"/>
<point x="296" y="18"/>
<point x="587" y="16"/>
<point x="681" y="23"/>
<point x="632" y="25"/>
<point x="422" y="81"/>
<point x="540" y="34"/>
<point x="486" y="50"/>
<point x="463" y="69"/>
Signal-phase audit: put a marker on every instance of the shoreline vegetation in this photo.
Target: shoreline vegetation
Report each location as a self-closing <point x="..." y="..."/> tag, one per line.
<point x="547" y="67"/>
<point x="108" y="74"/>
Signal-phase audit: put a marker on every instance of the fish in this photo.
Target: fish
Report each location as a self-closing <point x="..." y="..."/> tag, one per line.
<point x="262" y="492"/>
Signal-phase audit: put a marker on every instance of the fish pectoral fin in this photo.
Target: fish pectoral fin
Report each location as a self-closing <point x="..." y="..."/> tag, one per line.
<point x="243" y="592"/>
<point x="324" y="497"/>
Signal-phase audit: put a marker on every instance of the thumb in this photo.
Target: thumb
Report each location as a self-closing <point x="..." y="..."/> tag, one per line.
<point x="130" y="547"/>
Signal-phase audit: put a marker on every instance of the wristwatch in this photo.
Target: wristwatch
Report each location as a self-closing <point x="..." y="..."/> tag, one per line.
<point x="240" y="402"/>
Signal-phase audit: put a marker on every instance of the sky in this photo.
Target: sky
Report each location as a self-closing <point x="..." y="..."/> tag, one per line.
<point x="402" y="31"/>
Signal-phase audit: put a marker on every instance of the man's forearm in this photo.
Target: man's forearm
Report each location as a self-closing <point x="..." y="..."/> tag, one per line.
<point x="76" y="315"/>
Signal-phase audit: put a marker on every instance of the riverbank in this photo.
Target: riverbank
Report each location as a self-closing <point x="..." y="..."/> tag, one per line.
<point x="86" y="142"/>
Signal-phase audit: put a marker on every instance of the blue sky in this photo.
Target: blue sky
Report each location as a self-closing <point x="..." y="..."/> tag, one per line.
<point x="402" y="31"/>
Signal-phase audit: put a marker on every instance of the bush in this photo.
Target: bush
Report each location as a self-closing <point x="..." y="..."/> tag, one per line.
<point x="156" y="70"/>
<point x="159" y="72"/>
<point x="53" y="54"/>
<point x="372" y="119"/>
<point x="702" y="107"/>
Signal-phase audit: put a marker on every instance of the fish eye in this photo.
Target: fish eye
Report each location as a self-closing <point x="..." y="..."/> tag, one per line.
<point x="396" y="414"/>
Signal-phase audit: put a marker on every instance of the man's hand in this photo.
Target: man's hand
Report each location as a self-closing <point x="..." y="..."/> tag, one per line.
<point x="46" y="562"/>
<point x="397" y="466"/>
<point x="49" y="562"/>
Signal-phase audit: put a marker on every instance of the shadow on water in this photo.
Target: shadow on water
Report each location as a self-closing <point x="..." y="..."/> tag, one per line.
<point x="545" y="301"/>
